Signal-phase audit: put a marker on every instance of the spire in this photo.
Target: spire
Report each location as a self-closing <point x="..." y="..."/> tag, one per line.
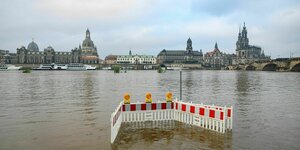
<point x="130" y="52"/>
<point x="244" y="27"/>
<point x="216" y="46"/>
<point x="87" y="33"/>
<point x="189" y="47"/>
<point x="189" y="40"/>
<point x="32" y="39"/>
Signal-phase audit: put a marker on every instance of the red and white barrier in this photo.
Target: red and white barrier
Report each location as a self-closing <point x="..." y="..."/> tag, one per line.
<point x="212" y="117"/>
<point x="116" y="121"/>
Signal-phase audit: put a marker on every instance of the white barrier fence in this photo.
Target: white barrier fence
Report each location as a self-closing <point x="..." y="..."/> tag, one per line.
<point x="212" y="117"/>
<point x="116" y="121"/>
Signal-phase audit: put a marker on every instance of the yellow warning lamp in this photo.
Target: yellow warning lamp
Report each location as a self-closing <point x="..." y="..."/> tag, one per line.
<point x="169" y="97"/>
<point x="148" y="98"/>
<point x="126" y="98"/>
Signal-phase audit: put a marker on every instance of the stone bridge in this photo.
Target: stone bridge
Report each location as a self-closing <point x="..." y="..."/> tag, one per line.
<point x="279" y="64"/>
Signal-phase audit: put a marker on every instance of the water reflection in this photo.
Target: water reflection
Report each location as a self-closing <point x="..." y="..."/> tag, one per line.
<point x="170" y="135"/>
<point x="216" y="84"/>
<point x="242" y="84"/>
<point x="88" y="99"/>
<point x="242" y="87"/>
<point x="188" y="84"/>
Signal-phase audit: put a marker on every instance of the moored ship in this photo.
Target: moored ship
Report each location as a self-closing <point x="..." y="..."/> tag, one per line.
<point x="51" y="67"/>
<point x="80" y="67"/>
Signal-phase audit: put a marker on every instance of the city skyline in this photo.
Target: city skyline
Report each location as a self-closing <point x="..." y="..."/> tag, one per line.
<point x="147" y="27"/>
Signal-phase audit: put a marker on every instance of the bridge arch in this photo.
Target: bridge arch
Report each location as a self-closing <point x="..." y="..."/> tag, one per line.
<point x="270" y="67"/>
<point x="296" y="68"/>
<point x="250" y="67"/>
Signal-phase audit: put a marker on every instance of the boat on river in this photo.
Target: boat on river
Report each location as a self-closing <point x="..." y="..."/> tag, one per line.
<point x="4" y="67"/>
<point x="80" y="67"/>
<point x="89" y="67"/>
<point x="52" y="66"/>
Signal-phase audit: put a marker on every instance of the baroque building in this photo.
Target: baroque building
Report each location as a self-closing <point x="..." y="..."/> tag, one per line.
<point x="188" y="56"/>
<point x="86" y="54"/>
<point x="247" y="53"/>
<point x="215" y="59"/>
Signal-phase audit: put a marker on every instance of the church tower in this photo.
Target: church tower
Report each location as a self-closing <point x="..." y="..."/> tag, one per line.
<point x="189" y="47"/>
<point x="88" y="51"/>
<point x="245" y="52"/>
<point x="243" y="41"/>
<point x="216" y="46"/>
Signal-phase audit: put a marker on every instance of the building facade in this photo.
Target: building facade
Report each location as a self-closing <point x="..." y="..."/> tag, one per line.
<point x="247" y="53"/>
<point x="216" y="59"/>
<point x="110" y="59"/>
<point x="7" y="58"/>
<point x="49" y="55"/>
<point x="188" y="56"/>
<point x="85" y="53"/>
<point x="136" y="59"/>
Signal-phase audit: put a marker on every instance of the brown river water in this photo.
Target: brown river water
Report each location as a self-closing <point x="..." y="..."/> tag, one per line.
<point x="46" y="110"/>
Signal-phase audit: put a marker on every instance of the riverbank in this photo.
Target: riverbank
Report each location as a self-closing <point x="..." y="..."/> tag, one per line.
<point x="266" y="66"/>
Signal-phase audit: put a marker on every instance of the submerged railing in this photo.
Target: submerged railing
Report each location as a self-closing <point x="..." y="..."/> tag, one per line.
<point x="210" y="117"/>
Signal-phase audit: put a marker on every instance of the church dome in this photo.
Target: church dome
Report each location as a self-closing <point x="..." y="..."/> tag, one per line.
<point x="32" y="46"/>
<point x="189" y="40"/>
<point x="87" y="43"/>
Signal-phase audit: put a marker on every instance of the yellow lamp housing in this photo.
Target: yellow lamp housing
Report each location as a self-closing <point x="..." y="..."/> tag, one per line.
<point x="126" y="98"/>
<point x="148" y="98"/>
<point x="169" y="97"/>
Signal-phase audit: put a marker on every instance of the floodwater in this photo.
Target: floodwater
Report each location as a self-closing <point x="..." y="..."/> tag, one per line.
<point x="47" y="110"/>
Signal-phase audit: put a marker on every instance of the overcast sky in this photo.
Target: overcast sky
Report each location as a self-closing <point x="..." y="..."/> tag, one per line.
<point x="148" y="26"/>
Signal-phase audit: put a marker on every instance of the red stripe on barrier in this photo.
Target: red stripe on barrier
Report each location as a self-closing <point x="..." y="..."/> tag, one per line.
<point x="132" y="107"/>
<point x="183" y="107"/>
<point x="212" y="113"/>
<point x="153" y="106"/>
<point x="221" y="115"/>
<point x="123" y="107"/>
<point x="229" y="112"/>
<point x="163" y="105"/>
<point x="143" y="106"/>
<point x="176" y="106"/>
<point x="201" y="111"/>
<point x="192" y="109"/>
<point x="172" y="105"/>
